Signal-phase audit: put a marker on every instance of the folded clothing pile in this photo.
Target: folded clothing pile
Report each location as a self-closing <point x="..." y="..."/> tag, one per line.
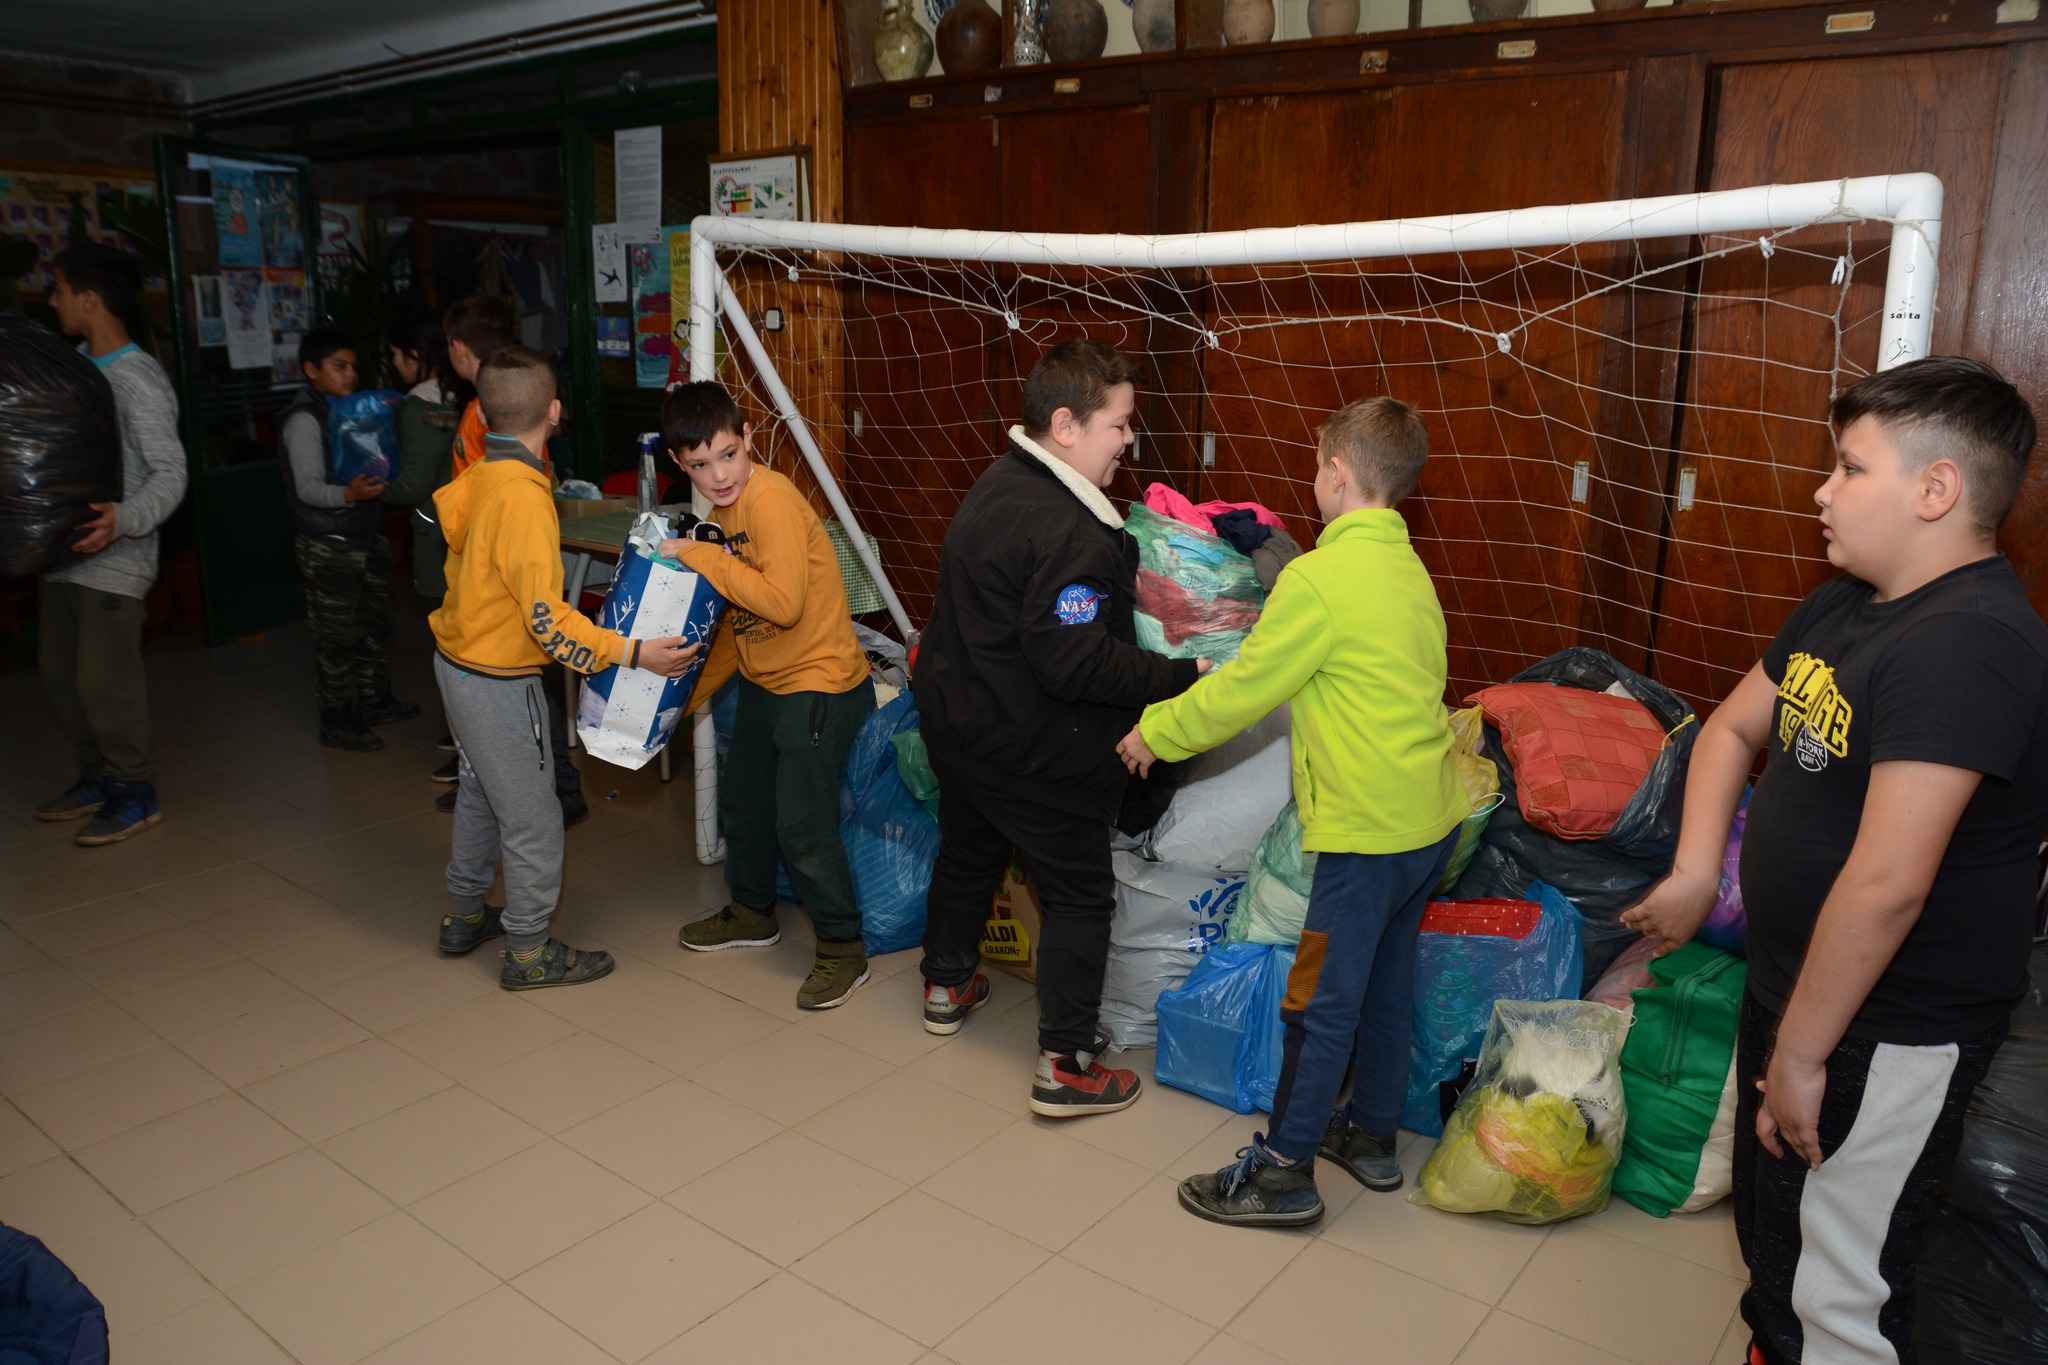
<point x="1167" y="916"/>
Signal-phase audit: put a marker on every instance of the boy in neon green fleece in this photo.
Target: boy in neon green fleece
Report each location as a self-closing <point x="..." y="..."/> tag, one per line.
<point x="1353" y="637"/>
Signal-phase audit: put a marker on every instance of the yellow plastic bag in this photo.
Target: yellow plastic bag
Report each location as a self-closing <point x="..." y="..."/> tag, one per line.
<point x="1482" y="789"/>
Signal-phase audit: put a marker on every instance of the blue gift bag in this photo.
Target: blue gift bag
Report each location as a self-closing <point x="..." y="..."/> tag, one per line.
<point x="627" y="714"/>
<point x="362" y="434"/>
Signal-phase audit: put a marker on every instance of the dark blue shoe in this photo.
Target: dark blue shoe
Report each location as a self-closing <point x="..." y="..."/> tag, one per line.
<point x="1256" y="1192"/>
<point x="130" y="808"/>
<point x="87" y="795"/>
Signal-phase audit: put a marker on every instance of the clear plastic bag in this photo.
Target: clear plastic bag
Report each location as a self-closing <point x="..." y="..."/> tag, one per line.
<point x="362" y="434"/>
<point x="1538" y="1133"/>
<point x="1197" y="597"/>
<point x="1275" y="901"/>
<point x="1481" y="779"/>
<point x="60" y="446"/>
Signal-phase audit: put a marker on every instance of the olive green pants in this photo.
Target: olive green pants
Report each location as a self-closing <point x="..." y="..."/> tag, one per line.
<point x="91" y="663"/>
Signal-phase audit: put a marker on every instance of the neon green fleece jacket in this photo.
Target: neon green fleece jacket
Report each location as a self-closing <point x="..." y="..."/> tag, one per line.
<point x="1353" y="636"/>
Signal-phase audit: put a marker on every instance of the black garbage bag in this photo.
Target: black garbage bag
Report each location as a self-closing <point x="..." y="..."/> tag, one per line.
<point x="60" y="446"/>
<point x="1603" y="876"/>
<point x="1984" y="1259"/>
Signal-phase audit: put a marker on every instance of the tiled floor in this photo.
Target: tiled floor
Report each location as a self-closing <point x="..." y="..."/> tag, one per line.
<point x="265" y="1121"/>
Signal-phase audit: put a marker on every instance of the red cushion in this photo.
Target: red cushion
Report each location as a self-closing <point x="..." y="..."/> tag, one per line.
<point x="1579" y="756"/>
<point x="1501" y="919"/>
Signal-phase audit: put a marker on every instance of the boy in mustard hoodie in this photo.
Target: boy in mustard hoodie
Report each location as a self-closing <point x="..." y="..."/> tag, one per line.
<point x="1353" y="637"/>
<point x="502" y="621"/>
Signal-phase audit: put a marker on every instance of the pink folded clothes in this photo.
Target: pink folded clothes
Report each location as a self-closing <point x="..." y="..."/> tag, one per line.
<point x="1168" y="503"/>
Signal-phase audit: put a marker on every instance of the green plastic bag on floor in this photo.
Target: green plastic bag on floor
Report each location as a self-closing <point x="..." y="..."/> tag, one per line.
<point x="1677" y="1068"/>
<point x="1275" y="900"/>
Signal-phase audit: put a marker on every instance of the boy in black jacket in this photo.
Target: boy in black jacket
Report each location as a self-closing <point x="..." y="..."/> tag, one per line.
<point x="1028" y="674"/>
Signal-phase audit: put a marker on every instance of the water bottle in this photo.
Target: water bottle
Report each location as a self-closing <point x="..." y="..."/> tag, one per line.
<point x="650" y="496"/>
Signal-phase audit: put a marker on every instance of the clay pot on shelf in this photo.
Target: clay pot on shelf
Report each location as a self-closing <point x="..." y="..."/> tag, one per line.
<point x="1247" y="21"/>
<point x="970" y="38"/>
<point x="1152" y="22"/>
<point x="1075" y="30"/>
<point x="1330" y="18"/>
<point x="1493" y="11"/>
<point x="903" y="51"/>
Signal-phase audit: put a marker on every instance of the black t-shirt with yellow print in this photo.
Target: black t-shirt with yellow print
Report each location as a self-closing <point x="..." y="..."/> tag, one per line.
<point x="1955" y="672"/>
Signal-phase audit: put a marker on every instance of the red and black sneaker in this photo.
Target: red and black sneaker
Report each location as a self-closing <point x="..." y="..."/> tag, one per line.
<point x="1070" y="1085"/>
<point x="946" y="1007"/>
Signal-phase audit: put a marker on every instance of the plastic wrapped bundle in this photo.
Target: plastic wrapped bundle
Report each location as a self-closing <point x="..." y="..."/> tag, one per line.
<point x="60" y="446"/>
<point x="1167" y="915"/>
<point x="1226" y="796"/>
<point x="1984" y="1263"/>
<point x="1537" y="1135"/>
<point x="1197" y="597"/>
<point x="362" y="434"/>
<point x="1275" y="901"/>
<point x="1727" y="924"/>
<point x="891" y="843"/>
<point x="626" y="714"/>
<point x="1481" y="780"/>
<point x="1220" y="1031"/>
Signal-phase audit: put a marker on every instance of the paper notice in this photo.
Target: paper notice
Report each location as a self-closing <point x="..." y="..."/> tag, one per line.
<point x="636" y="172"/>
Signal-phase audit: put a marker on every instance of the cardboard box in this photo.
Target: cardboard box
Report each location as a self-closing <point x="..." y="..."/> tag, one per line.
<point x="1009" y="939"/>
<point x="565" y="508"/>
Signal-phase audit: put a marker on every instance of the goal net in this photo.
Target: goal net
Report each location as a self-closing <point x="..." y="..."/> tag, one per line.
<point x="1626" y="401"/>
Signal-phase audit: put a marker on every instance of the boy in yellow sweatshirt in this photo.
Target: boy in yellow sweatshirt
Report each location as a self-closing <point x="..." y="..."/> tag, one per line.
<point x="501" y="623"/>
<point x="1353" y="637"/>
<point x="804" y="693"/>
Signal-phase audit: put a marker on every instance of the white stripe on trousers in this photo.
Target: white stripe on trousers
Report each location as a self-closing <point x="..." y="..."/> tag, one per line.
<point x="1845" y="1210"/>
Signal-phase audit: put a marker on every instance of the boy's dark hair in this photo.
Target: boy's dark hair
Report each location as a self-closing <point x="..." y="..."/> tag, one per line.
<point x="694" y="414"/>
<point x="1382" y="441"/>
<point x="1077" y="376"/>
<point x="1946" y="405"/>
<point x="90" y="268"/>
<point x="483" y="322"/>
<point x="320" y="343"/>
<point x="514" y="387"/>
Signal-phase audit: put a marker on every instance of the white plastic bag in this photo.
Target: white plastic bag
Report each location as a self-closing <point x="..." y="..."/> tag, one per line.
<point x="1167" y="915"/>
<point x="1230" y="796"/>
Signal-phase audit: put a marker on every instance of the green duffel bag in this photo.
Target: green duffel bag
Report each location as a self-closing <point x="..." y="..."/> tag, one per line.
<point x="1678" y="1071"/>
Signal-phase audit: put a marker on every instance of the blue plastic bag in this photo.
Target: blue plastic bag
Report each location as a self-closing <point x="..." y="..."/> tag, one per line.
<point x="362" y="434"/>
<point x="1220" y="1032"/>
<point x="890" y="841"/>
<point x="45" y="1313"/>
<point x="1459" y="975"/>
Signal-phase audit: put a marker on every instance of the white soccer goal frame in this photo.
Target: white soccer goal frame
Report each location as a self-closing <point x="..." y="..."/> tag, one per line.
<point x="1911" y="202"/>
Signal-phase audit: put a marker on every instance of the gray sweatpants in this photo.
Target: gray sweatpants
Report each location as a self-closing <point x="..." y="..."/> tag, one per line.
<point x="506" y="804"/>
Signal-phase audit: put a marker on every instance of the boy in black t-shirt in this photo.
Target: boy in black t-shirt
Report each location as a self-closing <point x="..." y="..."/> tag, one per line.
<point x="1888" y="864"/>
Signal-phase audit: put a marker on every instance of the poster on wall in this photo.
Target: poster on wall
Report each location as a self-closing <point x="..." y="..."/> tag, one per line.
<point x="341" y="237"/>
<point x="37" y="207"/>
<point x="615" y="338"/>
<point x="608" y="257"/>
<point x="636" y="182"/>
<point x="237" y="216"/>
<point x="284" y="237"/>
<point x="769" y="185"/>
<point x="647" y="277"/>
<point x="679" y="305"/>
<point x="248" y="318"/>
<point x="288" y="322"/>
<point x="207" y="311"/>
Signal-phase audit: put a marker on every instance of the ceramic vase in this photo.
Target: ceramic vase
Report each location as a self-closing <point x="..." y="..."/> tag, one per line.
<point x="1075" y="30"/>
<point x="1493" y="11"/>
<point x="1247" y="21"/>
<point x="1152" y="22"/>
<point x="970" y="38"/>
<point x="1329" y="18"/>
<point x="903" y="51"/>
<point x="1027" y="48"/>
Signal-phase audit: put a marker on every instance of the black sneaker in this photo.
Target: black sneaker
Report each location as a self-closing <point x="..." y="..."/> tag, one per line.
<point x="556" y="964"/>
<point x="446" y="744"/>
<point x="384" y="709"/>
<point x="946" y="1007"/>
<point x="87" y="795"/>
<point x="460" y="933"/>
<point x="445" y="802"/>
<point x="1068" y="1086"/>
<point x="1366" y="1158"/>
<point x="451" y="771"/>
<point x="575" y="810"/>
<point x="1256" y="1191"/>
<point x="342" y="728"/>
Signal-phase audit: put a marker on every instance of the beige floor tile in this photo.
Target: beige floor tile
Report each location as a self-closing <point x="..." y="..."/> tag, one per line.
<point x="921" y="1266"/>
<point x="1623" y="1297"/>
<point x="373" y="890"/>
<point x="139" y="1279"/>
<point x="1035" y="1181"/>
<point x="492" y="1215"/>
<point x="503" y="1327"/>
<point x="791" y="1074"/>
<point x="93" y="925"/>
<point x="1705" y="1238"/>
<point x="44" y="989"/>
<point x="906" y="1126"/>
<point x="1477" y="1257"/>
<point x="210" y="893"/>
<point x="644" y="1280"/>
<point x="57" y="1201"/>
<point x="786" y="1197"/>
<point x="263" y="1218"/>
<point x="266" y="1041"/>
<point x="430" y="1144"/>
<point x="155" y="1163"/>
<point x="17" y="952"/>
<point x="1151" y="1244"/>
<point x="477" y="1035"/>
<point x="1328" y="1302"/>
<point x="112" y="1097"/>
<point x="885" y="1017"/>
<point x="60" y="1044"/>
<point x="398" y="993"/>
<point x="632" y="983"/>
<point x="1225" y="1349"/>
<point x="766" y="978"/>
<point x="315" y="1306"/>
<point x="335" y="1093"/>
<point x="1504" y="1339"/>
<point x="1160" y="1128"/>
<point x="284" y="915"/>
<point x="992" y="1059"/>
<point x="149" y="958"/>
<point x="567" y="1082"/>
<point x="21" y="1142"/>
<point x="1734" y="1347"/>
<point x="211" y="995"/>
<point x="210" y="1332"/>
<point x="688" y="1027"/>
<point x="1125" y="1327"/>
<point x="331" y="955"/>
<point x="788" y="1320"/>
<point x="670" y="1135"/>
